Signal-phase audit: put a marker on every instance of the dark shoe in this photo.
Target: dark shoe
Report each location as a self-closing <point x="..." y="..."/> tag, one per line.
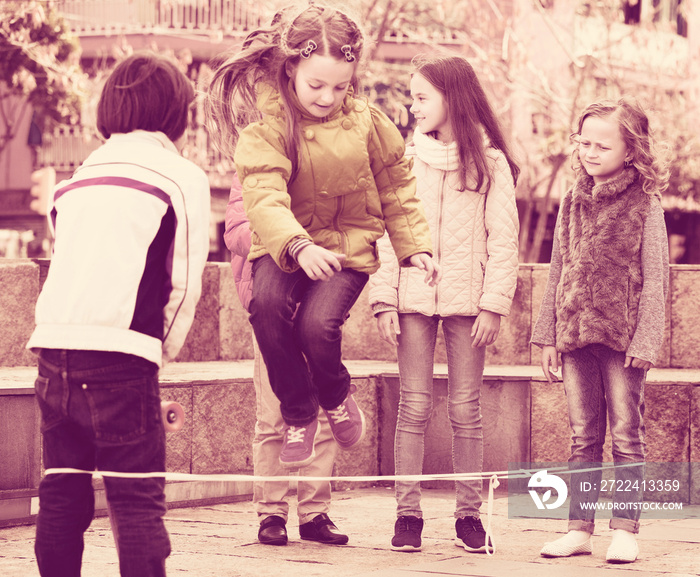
<point x="407" y="531"/>
<point x="347" y="422"/>
<point x="272" y="531"/>
<point x="298" y="446"/>
<point x="322" y="529"/>
<point x="471" y="535"/>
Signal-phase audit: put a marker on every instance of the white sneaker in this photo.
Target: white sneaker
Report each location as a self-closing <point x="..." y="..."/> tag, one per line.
<point x="623" y="549"/>
<point x="573" y="543"/>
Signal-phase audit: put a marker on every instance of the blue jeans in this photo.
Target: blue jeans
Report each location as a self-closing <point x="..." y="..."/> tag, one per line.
<point x="100" y="410"/>
<point x="465" y="369"/>
<point x="598" y="388"/>
<point x="301" y="346"/>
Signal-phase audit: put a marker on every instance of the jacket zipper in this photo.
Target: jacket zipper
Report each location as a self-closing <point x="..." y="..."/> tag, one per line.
<point x="438" y="248"/>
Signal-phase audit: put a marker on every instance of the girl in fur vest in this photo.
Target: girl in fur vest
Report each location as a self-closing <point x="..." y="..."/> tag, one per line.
<point x="465" y="180"/>
<point x="603" y="310"/>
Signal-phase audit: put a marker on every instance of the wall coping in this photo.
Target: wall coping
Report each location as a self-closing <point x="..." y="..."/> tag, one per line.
<point x="19" y="380"/>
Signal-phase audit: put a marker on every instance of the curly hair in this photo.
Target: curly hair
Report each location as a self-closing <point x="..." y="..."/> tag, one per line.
<point x="638" y="137"/>
<point x="271" y="55"/>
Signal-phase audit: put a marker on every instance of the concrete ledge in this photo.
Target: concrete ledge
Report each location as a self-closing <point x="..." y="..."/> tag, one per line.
<point x="525" y="420"/>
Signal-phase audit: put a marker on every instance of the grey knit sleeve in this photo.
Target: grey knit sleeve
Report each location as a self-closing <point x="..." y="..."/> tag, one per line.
<point x="544" y="333"/>
<point x="649" y="333"/>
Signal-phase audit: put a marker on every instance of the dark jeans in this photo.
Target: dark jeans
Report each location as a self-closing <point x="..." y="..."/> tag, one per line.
<point x="100" y="410"/>
<point x="301" y="346"/>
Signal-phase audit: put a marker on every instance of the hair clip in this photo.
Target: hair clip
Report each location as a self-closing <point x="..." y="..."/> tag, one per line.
<point x="310" y="47"/>
<point x="347" y="51"/>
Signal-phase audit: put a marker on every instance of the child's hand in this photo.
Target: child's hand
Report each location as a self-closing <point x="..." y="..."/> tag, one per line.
<point x="637" y="363"/>
<point x="388" y="326"/>
<point x="550" y="360"/>
<point x="423" y="261"/>
<point x="485" y="329"/>
<point x="320" y="263"/>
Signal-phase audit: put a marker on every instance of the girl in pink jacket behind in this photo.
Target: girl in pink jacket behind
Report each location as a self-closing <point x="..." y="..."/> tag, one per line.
<point x="271" y="498"/>
<point x="465" y="180"/>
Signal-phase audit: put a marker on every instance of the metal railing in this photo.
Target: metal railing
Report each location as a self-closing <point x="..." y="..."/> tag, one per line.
<point x="66" y="147"/>
<point x="227" y="17"/>
<point x="96" y="17"/>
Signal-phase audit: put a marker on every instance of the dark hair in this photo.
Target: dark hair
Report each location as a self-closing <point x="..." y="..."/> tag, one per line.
<point x="270" y="55"/>
<point x="637" y="136"/>
<point x="145" y="92"/>
<point x="469" y="111"/>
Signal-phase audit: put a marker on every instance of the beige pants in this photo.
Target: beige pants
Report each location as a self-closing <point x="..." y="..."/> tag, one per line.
<point x="273" y="497"/>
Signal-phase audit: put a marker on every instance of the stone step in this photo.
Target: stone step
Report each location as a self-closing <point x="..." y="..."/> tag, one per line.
<point x="524" y="421"/>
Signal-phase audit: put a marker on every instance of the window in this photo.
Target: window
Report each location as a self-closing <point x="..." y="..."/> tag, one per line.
<point x="656" y="11"/>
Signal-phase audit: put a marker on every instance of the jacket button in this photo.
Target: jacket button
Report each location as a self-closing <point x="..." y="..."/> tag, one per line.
<point x="362" y="182"/>
<point x="251" y="181"/>
<point x="323" y="193"/>
<point x="347" y="124"/>
<point x="309" y="134"/>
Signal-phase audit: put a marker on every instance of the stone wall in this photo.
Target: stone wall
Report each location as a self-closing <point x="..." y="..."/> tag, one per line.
<point x="221" y="330"/>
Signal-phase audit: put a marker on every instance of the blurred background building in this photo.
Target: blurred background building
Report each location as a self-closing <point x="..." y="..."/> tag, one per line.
<point x="542" y="60"/>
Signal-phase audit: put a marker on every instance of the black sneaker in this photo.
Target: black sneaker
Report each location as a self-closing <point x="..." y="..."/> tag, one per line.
<point x="407" y="530"/>
<point x="471" y="535"/>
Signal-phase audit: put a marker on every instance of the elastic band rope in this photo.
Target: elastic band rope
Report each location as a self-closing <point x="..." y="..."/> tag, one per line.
<point x="172" y="476"/>
<point x="493" y="484"/>
<point x="492" y="476"/>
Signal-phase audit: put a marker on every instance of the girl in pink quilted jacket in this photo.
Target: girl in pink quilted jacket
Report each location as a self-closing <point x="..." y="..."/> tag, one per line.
<point x="466" y="180"/>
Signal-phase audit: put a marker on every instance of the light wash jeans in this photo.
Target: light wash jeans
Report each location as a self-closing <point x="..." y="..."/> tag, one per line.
<point x="273" y="497"/>
<point x="598" y="388"/>
<point x="465" y="366"/>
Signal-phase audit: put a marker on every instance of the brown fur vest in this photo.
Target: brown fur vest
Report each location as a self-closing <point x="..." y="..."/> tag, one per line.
<point x="600" y="236"/>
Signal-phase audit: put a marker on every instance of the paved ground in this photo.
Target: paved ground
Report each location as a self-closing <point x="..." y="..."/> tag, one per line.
<point x="221" y="541"/>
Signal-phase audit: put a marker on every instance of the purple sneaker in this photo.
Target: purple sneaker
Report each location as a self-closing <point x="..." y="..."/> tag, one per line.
<point x="347" y="422"/>
<point x="298" y="445"/>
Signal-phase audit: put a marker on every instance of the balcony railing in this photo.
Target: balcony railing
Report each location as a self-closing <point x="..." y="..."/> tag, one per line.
<point x="66" y="147"/>
<point x="227" y="17"/>
<point x="98" y="17"/>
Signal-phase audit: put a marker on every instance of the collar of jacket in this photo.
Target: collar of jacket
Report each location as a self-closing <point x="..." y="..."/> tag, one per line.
<point x="587" y="191"/>
<point x="156" y="138"/>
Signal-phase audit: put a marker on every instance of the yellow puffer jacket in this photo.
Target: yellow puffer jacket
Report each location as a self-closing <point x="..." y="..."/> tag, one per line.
<point x="353" y="184"/>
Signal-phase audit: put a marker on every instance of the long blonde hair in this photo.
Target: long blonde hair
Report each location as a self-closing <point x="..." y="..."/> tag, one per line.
<point x="268" y="55"/>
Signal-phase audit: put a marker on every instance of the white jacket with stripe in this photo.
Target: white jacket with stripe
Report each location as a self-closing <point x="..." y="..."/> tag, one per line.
<point x="131" y="231"/>
<point x="475" y="240"/>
